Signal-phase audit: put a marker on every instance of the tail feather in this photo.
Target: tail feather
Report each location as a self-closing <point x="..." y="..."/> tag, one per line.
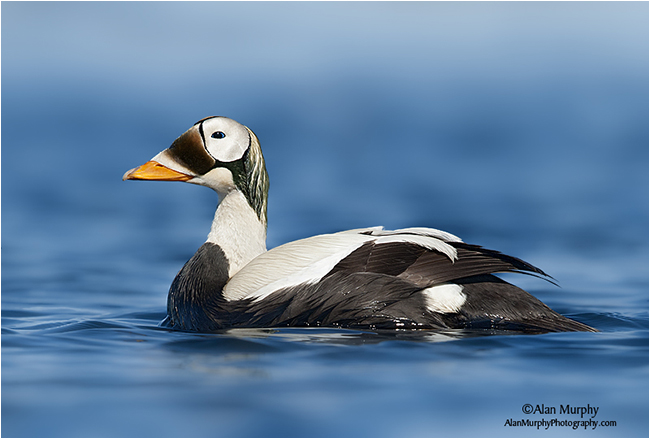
<point x="493" y="303"/>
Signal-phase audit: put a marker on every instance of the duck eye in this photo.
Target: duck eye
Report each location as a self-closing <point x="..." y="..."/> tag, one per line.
<point x="218" y="135"/>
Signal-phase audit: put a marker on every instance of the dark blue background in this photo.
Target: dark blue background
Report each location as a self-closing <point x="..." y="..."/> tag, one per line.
<point x="517" y="126"/>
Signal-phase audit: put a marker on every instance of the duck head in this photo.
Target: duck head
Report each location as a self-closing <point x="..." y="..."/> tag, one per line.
<point x="215" y="152"/>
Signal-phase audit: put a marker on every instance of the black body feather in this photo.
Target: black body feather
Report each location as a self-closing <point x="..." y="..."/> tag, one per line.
<point x="377" y="286"/>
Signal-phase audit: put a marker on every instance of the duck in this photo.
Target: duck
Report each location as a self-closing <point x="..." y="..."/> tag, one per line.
<point x="367" y="279"/>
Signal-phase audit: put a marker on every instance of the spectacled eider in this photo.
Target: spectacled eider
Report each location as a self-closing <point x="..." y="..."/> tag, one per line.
<point x="415" y="278"/>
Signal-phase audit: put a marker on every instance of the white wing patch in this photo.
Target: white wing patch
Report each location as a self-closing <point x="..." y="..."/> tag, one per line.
<point x="307" y="261"/>
<point x="434" y="233"/>
<point x="423" y="241"/>
<point x="431" y="239"/>
<point x="303" y="261"/>
<point x="444" y="299"/>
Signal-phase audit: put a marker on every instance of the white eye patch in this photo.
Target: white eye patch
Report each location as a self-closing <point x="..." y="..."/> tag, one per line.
<point x="225" y="139"/>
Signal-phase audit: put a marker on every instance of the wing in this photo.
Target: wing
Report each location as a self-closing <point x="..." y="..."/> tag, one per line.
<point x="426" y="268"/>
<point x="310" y="260"/>
<point x="372" y="278"/>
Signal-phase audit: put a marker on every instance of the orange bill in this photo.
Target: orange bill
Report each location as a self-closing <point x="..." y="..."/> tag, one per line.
<point x="155" y="171"/>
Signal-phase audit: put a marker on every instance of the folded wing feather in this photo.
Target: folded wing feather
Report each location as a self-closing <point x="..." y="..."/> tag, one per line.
<point x="309" y="260"/>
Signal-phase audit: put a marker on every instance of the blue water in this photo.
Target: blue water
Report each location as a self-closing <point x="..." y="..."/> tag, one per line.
<point x="521" y="127"/>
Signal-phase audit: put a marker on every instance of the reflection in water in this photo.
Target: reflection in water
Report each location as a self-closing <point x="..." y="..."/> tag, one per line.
<point x="347" y="336"/>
